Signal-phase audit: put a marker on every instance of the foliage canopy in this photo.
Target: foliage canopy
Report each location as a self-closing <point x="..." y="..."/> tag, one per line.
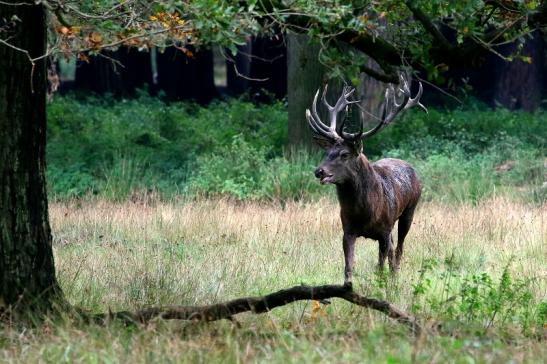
<point x="428" y="35"/>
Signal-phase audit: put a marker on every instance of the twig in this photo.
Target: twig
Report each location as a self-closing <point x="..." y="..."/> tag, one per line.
<point x="15" y="4"/>
<point x="446" y="93"/>
<point x="239" y="74"/>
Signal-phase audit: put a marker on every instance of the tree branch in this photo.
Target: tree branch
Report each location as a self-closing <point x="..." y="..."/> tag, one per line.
<point x="429" y="26"/>
<point x="261" y="304"/>
<point x="377" y="48"/>
<point x="498" y="4"/>
<point x="391" y="77"/>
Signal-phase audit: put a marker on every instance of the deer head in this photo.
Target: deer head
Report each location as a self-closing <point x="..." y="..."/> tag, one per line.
<point x="343" y="148"/>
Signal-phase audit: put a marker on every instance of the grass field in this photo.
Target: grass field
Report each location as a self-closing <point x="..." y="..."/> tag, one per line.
<point x="478" y="269"/>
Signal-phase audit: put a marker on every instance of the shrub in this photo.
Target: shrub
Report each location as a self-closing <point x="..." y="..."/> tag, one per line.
<point x="473" y="129"/>
<point x="291" y="178"/>
<point x="477" y="299"/>
<point x="92" y="143"/>
<point x="242" y="172"/>
<point x="234" y="170"/>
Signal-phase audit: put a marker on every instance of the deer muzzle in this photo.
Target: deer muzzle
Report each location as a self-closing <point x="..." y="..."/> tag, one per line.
<point x="323" y="176"/>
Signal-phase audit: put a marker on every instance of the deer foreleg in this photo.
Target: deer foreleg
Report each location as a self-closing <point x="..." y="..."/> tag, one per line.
<point x="349" y="245"/>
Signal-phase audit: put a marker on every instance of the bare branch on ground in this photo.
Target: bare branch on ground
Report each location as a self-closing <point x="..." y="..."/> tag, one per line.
<point x="262" y="304"/>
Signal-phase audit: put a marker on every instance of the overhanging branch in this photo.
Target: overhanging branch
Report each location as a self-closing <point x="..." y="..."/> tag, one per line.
<point x="428" y="25"/>
<point x="261" y="304"/>
<point x="375" y="47"/>
<point x="380" y="76"/>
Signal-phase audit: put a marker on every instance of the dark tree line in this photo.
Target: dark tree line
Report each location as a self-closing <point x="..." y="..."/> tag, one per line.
<point x="262" y="67"/>
<point x="259" y="68"/>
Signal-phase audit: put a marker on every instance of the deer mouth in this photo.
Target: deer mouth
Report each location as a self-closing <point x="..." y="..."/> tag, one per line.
<point x="326" y="179"/>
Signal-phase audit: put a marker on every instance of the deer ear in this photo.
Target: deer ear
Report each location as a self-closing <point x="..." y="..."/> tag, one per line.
<point x="322" y="142"/>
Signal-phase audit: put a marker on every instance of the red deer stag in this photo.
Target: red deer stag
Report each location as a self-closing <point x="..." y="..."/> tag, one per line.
<point x="372" y="196"/>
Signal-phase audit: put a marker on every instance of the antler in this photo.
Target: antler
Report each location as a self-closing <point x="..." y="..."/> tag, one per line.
<point x="335" y="131"/>
<point x="392" y="108"/>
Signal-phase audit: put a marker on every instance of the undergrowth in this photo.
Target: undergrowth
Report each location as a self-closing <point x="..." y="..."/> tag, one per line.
<point x="235" y="149"/>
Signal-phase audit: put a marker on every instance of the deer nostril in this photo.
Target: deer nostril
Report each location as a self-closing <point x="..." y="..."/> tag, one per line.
<point x="319" y="172"/>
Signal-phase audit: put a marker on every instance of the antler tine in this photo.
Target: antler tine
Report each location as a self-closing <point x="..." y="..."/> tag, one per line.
<point x="344" y="103"/>
<point x="397" y="107"/>
<point x="333" y="131"/>
<point x="416" y="100"/>
<point x="324" y="99"/>
<point x="340" y="105"/>
<point x="315" y="115"/>
<point x="316" y="124"/>
<point x="392" y="108"/>
<point x="312" y="123"/>
<point x="332" y="110"/>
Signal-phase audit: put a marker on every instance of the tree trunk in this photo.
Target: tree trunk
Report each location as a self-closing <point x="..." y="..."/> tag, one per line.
<point x="137" y="70"/>
<point x="27" y="273"/>
<point x="238" y="69"/>
<point x="305" y="76"/>
<point x="516" y="84"/>
<point x="183" y="77"/>
<point x="119" y="72"/>
<point x="99" y="74"/>
<point x="268" y="68"/>
<point x="519" y="84"/>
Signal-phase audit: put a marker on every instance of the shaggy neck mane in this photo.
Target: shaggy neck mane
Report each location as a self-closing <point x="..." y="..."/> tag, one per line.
<point x="359" y="191"/>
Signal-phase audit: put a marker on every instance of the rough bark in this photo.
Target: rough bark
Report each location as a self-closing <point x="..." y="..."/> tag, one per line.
<point x="261" y="304"/>
<point x="27" y="274"/>
<point x="305" y="76"/>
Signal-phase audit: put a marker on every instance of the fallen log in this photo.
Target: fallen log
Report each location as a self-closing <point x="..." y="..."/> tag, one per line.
<point x="261" y="304"/>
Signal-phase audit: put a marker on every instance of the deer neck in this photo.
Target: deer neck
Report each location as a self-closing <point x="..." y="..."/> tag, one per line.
<point x="360" y="191"/>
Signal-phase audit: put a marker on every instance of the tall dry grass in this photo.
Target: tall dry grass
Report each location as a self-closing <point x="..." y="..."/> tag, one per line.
<point x="128" y="255"/>
<point x="131" y="254"/>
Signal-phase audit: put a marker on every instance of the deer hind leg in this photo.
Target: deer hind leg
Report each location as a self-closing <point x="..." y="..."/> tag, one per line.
<point x="349" y="252"/>
<point x="386" y="251"/>
<point x="404" y="225"/>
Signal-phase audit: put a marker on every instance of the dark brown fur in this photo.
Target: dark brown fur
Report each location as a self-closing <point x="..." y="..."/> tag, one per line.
<point x="372" y="196"/>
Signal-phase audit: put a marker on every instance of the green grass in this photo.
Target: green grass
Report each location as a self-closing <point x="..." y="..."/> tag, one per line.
<point x="479" y="273"/>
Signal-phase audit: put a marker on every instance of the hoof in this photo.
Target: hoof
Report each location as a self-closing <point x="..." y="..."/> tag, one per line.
<point x="348" y="285"/>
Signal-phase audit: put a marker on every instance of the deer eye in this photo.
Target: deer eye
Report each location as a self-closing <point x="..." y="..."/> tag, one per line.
<point x="344" y="155"/>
